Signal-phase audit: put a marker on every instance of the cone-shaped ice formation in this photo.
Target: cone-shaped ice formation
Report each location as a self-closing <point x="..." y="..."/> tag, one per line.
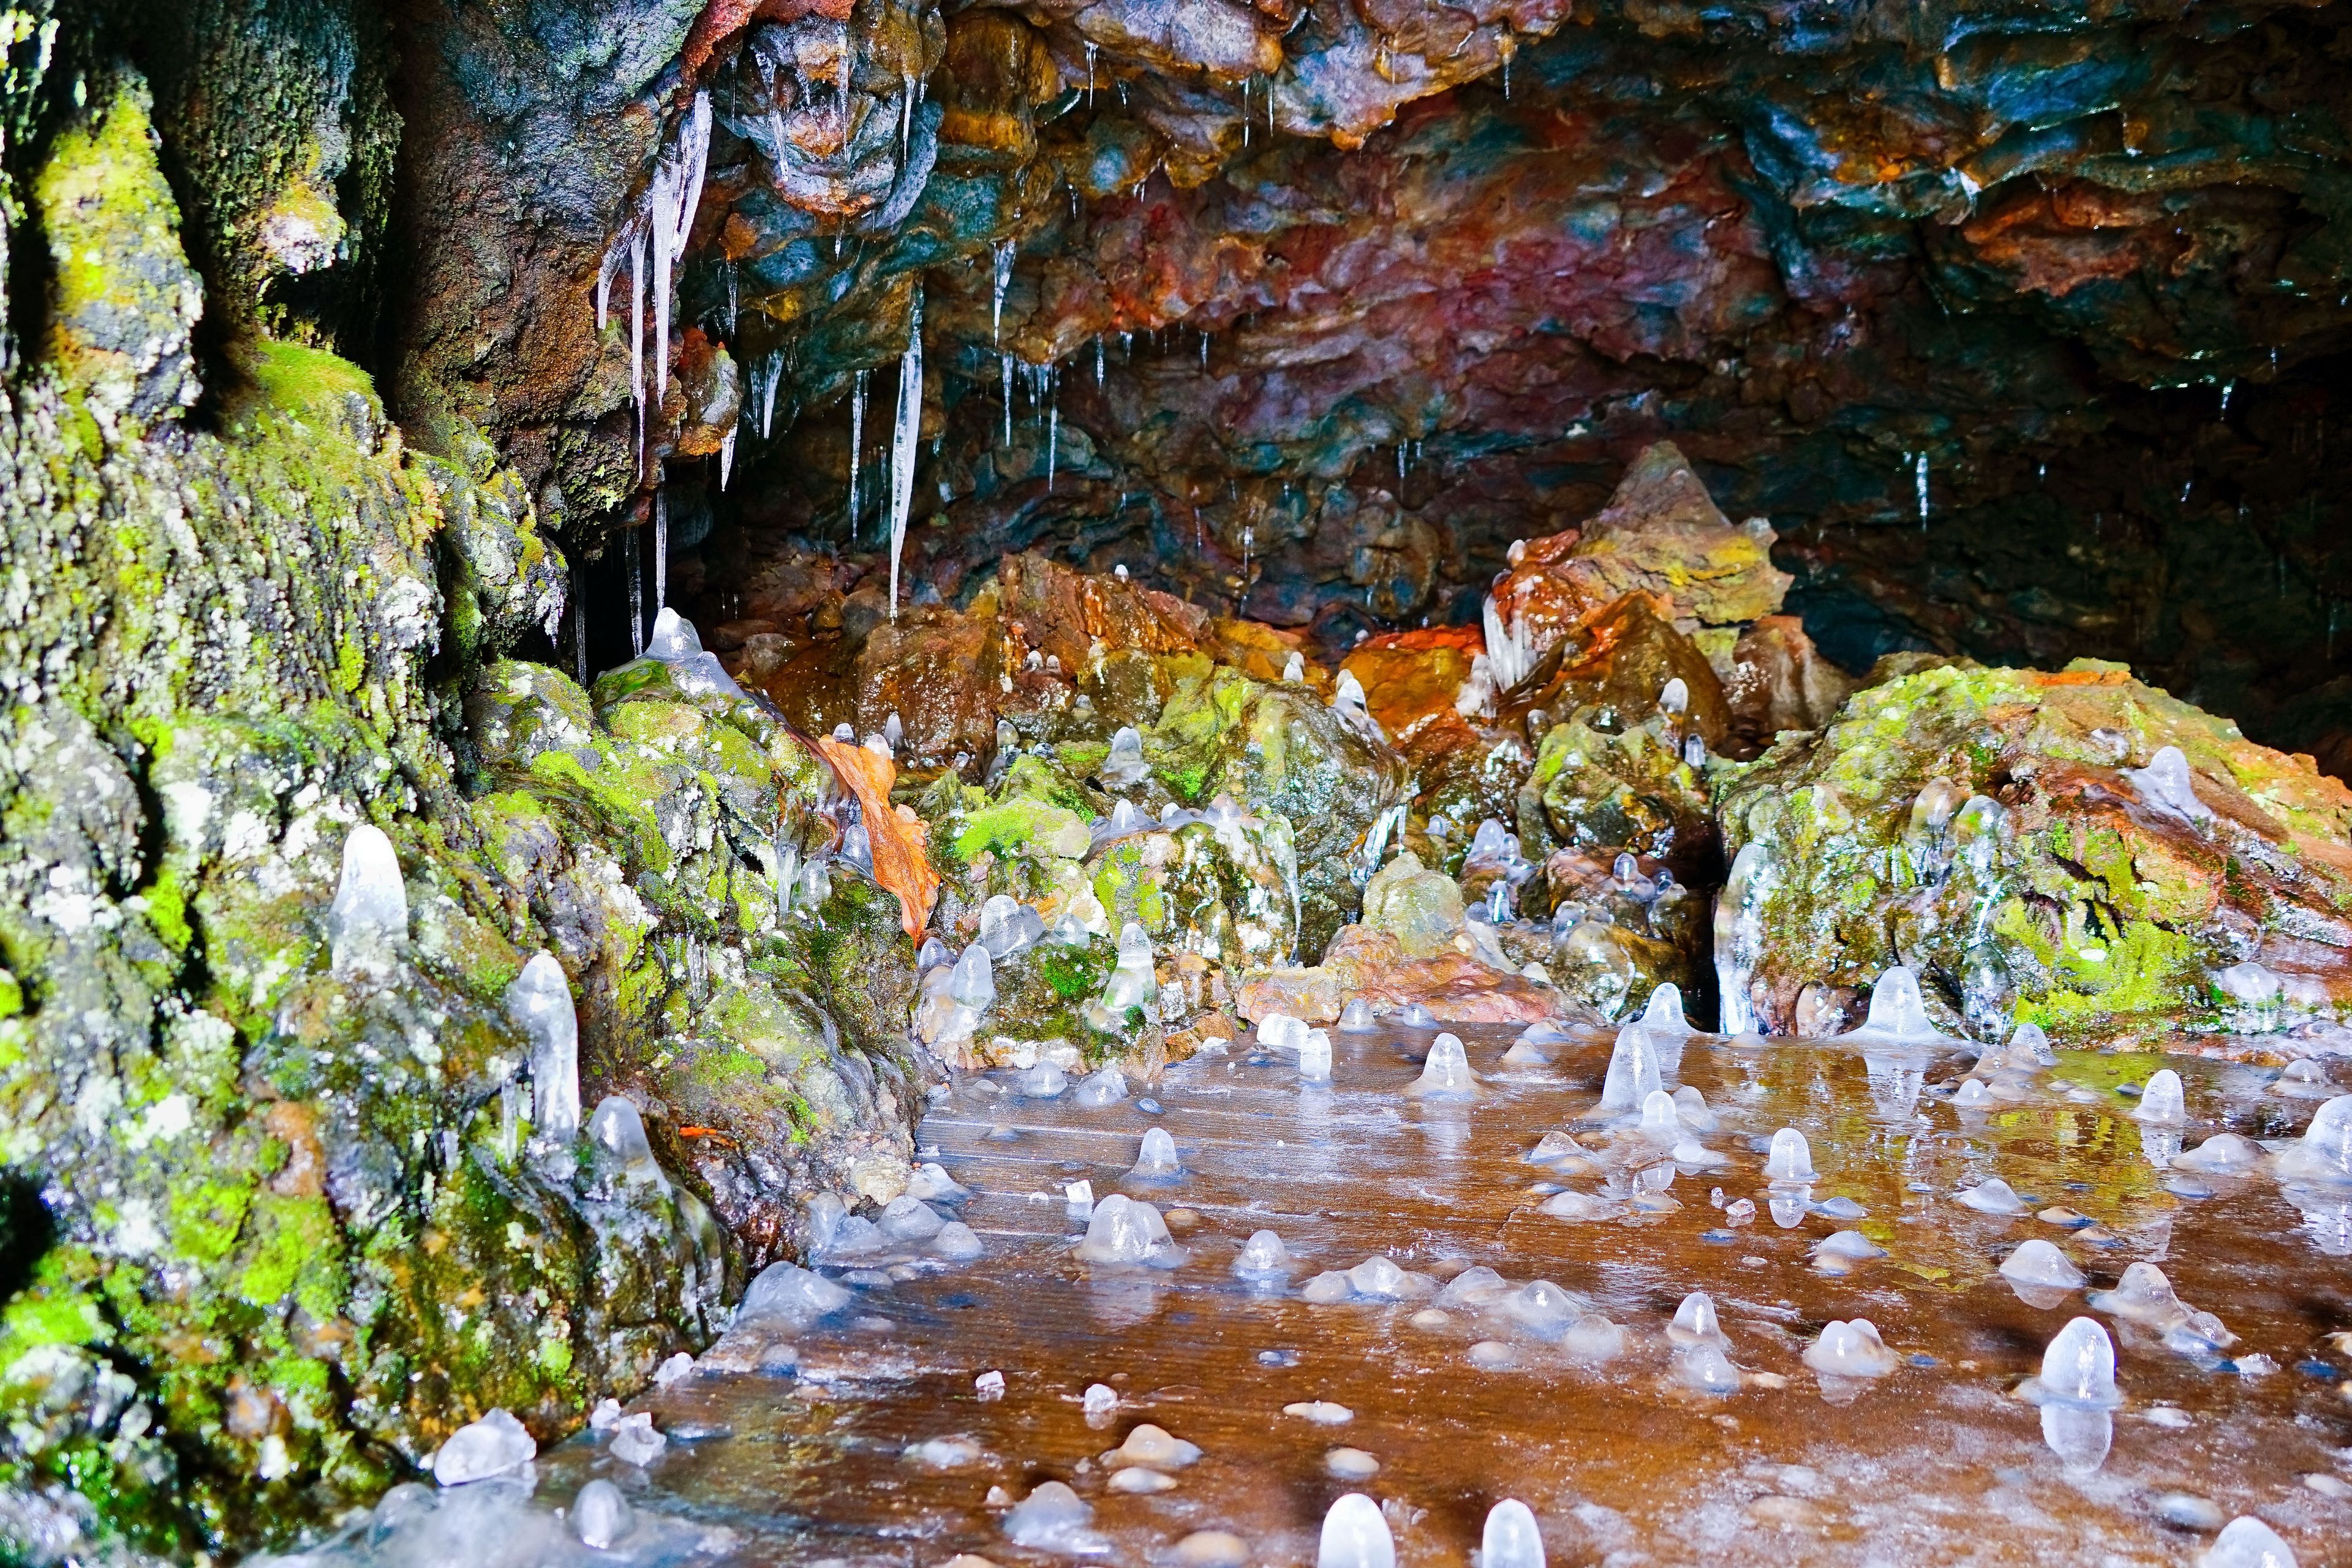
<point x="1848" y="1244"/>
<point x="1417" y="1015"/>
<point x="1696" y="1322"/>
<point x="2079" y="1367"/>
<point x="1897" y="1012"/>
<point x="788" y="1294"/>
<point x="1972" y="1095"/>
<point x="1314" y="1056"/>
<point x="1446" y="1073"/>
<point x="490" y="1446"/>
<point x="1126" y="1234"/>
<point x="1106" y="1086"/>
<point x="1632" y="1073"/>
<point x="973" y="981"/>
<point x="2223" y="1154"/>
<point x="2166" y="783"/>
<point x="1157" y="1162"/>
<point x="1664" y="1012"/>
<point x="1008" y="926"/>
<point x="2030" y="1047"/>
<point x="2040" y="1263"/>
<point x="2144" y="1295"/>
<point x="1706" y="1368"/>
<point x="1132" y="984"/>
<point x="2162" y="1101"/>
<point x="1660" y="1125"/>
<point x="1357" y="1017"/>
<point x="619" y="1133"/>
<point x="1047" y="1081"/>
<point x="2248" y="1542"/>
<point x="1850" y="1349"/>
<point x="1511" y="1540"/>
<point x="1125" y="765"/>
<point x="1053" y="1519"/>
<point x="1153" y="1446"/>
<point x="2324" y="1153"/>
<point x="368" y="922"/>
<point x="1355" y="1536"/>
<point x="540" y="1002"/>
<point x="1791" y="1159"/>
<point x="601" y="1515"/>
<point x="1594" y="1338"/>
<point x="1543" y="1309"/>
<point x="1262" y="1256"/>
<point x="1993" y="1196"/>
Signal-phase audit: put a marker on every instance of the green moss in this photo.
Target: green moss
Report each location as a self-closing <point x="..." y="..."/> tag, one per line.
<point x="308" y="383"/>
<point x="296" y="1253"/>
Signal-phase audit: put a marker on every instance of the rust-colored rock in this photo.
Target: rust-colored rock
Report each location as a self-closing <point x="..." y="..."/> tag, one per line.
<point x="1412" y="678"/>
<point x="1620" y="657"/>
<point x="1075" y="618"/>
<point x="1780" y="680"/>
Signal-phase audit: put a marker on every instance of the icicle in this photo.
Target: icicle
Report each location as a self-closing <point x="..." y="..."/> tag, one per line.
<point x="1507" y="53"/>
<point x="2228" y="389"/>
<point x="1004" y="362"/>
<point x="1922" y="471"/>
<point x="905" y="112"/>
<point x="1053" y="442"/>
<point x="1245" y="125"/>
<point x="579" y="623"/>
<point x="1099" y="361"/>
<point x="637" y="600"/>
<point x="638" y="328"/>
<point x="726" y="459"/>
<point x="845" y="57"/>
<point x="904" y="441"/>
<point x="661" y="549"/>
<point x="857" y="445"/>
<point x="1091" y="52"/>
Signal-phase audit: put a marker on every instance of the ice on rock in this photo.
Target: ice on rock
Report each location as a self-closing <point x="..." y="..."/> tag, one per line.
<point x="619" y="1133"/>
<point x="1008" y="926"/>
<point x="1664" y="1012"/>
<point x="930" y="1181"/>
<point x="1281" y="1032"/>
<point x="678" y="1368"/>
<point x="368" y="922"/>
<point x="2079" y="1436"/>
<point x="1264" y="1257"/>
<point x="1554" y="1147"/>
<point x="1543" y="1309"/>
<point x="2247" y="1542"/>
<point x="1054" y="1519"/>
<point x="1126" y="1234"/>
<point x="973" y="983"/>
<point x="1896" y="1013"/>
<point x="932" y="954"/>
<point x="1691" y="1106"/>
<point x="1314" y="1056"/>
<point x="1632" y="1074"/>
<point x="2162" y="1101"/>
<point x="1659" y="1124"/>
<point x="1047" y="1081"/>
<point x="1136" y="1480"/>
<point x="1357" y="1018"/>
<point x="1790" y="1160"/>
<point x="1593" y="1338"/>
<point x="1099" y="1399"/>
<point x="1446" y="1073"/>
<point x="1379" y="1279"/>
<point x="1322" y="1412"/>
<point x="601" y="1515"/>
<point x="1706" y="1369"/>
<point x="1575" y="1205"/>
<point x="2079" y="1368"/>
<point x="2029" y="1047"/>
<point x="1355" y="1535"/>
<point x="1156" y="1161"/>
<point x="1992" y="1195"/>
<point x="1125" y="765"/>
<point x="789" y="1295"/>
<point x="1972" y="1095"/>
<point x="1696" y="1322"/>
<point x="1850" y="1349"/>
<point x="2223" y="1154"/>
<point x="1154" y="1448"/>
<point x="957" y="1243"/>
<point x="909" y="1218"/>
<point x="1132" y="983"/>
<point x="1510" y="1539"/>
<point x="1847" y="1246"/>
<point x="2166" y="784"/>
<point x="540" y="1002"/>
<point x="1473" y="1287"/>
<point x="2324" y="1154"/>
<point x="2144" y="1295"/>
<point x="634" y="1442"/>
<point x="2040" y="1264"/>
<point x="1106" y="1086"/>
<point x="480" y="1449"/>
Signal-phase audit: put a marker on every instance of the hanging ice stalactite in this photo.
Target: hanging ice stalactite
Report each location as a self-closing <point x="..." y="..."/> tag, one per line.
<point x="652" y="239"/>
<point x="1004" y="363"/>
<point x="636" y="598"/>
<point x="727" y="456"/>
<point x="1091" y="52"/>
<point x="1052" y="440"/>
<point x="1922" y="471"/>
<point x="661" y="549"/>
<point x="1099" y="361"/>
<point x="998" y="282"/>
<point x="857" y="445"/>
<point x="904" y="441"/>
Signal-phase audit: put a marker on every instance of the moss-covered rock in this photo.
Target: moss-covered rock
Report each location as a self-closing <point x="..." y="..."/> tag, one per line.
<point x="2001" y="832"/>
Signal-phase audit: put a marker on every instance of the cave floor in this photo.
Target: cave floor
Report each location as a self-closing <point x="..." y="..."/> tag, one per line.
<point x="1621" y="1460"/>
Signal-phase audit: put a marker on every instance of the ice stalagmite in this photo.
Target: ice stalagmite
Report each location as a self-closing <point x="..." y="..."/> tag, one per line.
<point x="1355" y="1536"/>
<point x="540" y="1002"/>
<point x="368" y="924"/>
<point x="1511" y="1540"/>
<point x="904" y="440"/>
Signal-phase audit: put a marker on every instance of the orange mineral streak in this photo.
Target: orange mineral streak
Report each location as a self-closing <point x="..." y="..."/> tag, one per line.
<point x="902" y="862"/>
<point x="722" y="19"/>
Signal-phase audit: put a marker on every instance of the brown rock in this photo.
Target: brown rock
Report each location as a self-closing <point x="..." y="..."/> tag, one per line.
<point x="1779" y="681"/>
<point x="1048" y="606"/>
<point x="1413" y="678"/>
<point x="1621" y="657"/>
<point x="940" y="672"/>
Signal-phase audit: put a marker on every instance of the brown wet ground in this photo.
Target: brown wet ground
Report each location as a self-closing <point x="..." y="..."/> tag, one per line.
<point x="1622" y="1463"/>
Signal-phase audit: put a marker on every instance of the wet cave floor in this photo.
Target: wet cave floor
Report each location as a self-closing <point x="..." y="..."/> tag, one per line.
<point x="865" y="1437"/>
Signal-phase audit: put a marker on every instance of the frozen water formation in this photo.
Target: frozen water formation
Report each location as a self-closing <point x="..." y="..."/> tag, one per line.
<point x="2040" y="1263"/>
<point x="1417" y="1015"/>
<point x="790" y="1296"/>
<point x="1896" y="1013"/>
<point x="1706" y="1369"/>
<point x="698" y="673"/>
<point x="1357" y="1018"/>
<point x="1054" y="1519"/>
<point x="1154" y="1448"/>
<point x="1281" y="1032"/>
<point x="2166" y="783"/>
<point x="2145" y="1296"/>
<point x="1632" y="1073"/>
<point x="601" y="1515"/>
<point x="2247" y="1542"/>
<point x="1355" y="1536"/>
<point x="2324" y="1154"/>
<point x="1447" y="1072"/>
<point x="1126" y="1234"/>
<point x="1132" y="984"/>
<point x="1264" y="1257"/>
<point x="1659" y="1123"/>
<point x="540" y="1002"/>
<point x="2162" y="1101"/>
<point x="1696" y="1322"/>
<point x="368" y="922"/>
<point x="634" y="1441"/>
<point x="2078" y="1368"/>
<point x="1850" y="1349"/>
<point x="2223" y="1154"/>
<point x="1047" y="1081"/>
<point x="1510" y="1539"/>
<point x="1664" y="1012"/>
<point x="1790" y="1160"/>
<point x="1108" y="1086"/>
<point x="1315" y="1057"/>
<point x="1156" y="1161"/>
<point x="1992" y="1195"/>
<point x="480" y="1449"/>
<point x="619" y="1134"/>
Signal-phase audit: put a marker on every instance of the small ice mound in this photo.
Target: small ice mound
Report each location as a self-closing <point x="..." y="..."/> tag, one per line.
<point x="1315" y="1057"/>
<point x="957" y="1243"/>
<point x="1378" y="1279"/>
<point x="1047" y="1081"/>
<point x="1632" y="1070"/>
<point x="2162" y="1100"/>
<point x="2247" y="1542"/>
<point x="1357" y="1018"/>
<point x="930" y="1181"/>
<point x="1280" y="1032"/>
<point x="1593" y="1338"/>
<point x="1972" y="1095"/>
<point x="1417" y="1015"/>
<point x="789" y="1295"/>
<point x="1493" y="1356"/>
<point x="1791" y="1159"/>
<point x="1355" y="1536"/>
<point x="368" y="921"/>
<point x="1850" y="1349"/>
<point x="480" y="1449"/>
<point x="1696" y="1322"/>
<point x="2040" y="1264"/>
<point x="1322" y="1412"/>
<point x="1352" y="1464"/>
<point x="944" y="1453"/>
<point x="634" y="1440"/>
<point x="2030" y="1047"/>
<point x="1706" y="1369"/>
<point x="909" y="1218"/>
<point x="1659" y="1124"/>
<point x="1099" y="1399"/>
<point x="1125" y="765"/>
<point x="2079" y="1436"/>
<point x="2077" y="1369"/>
<point x="2144" y="1296"/>
<point x="1213" y="1548"/>
<point x="1554" y="1147"/>
<point x="1473" y="1287"/>
<point x="1664" y="1012"/>
<point x="1152" y="1446"/>
<point x="1054" y="1519"/>
<point x="1573" y="1204"/>
<point x="1138" y="1481"/>
<point x="1264" y="1257"/>
<point x="1896" y="1013"/>
<point x="972" y="981"/>
<point x="1543" y="1309"/>
<point x="601" y="1515"/>
<point x="2304" y="1079"/>
<point x="1691" y="1106"/>
<point x="2166" y="783"/>
<point x="1511" y="1539"/>
<point x="2324" y="1154"/>
<point x="1523" y="1055"/>
<point x="2223" y="1154"/>
<point x="1544" y="1034"/>
<point x="1447" y="1073"/>
<point x="1847" y="1246"/>
<point x="1992" y="1195"/>
<point x="1841" y="1208"/>
<point x="1107" y="1086"/>
<point x="1156" y="1161"/>
<point x="675" y="1369"/>
<point x="1124" y="1234"/>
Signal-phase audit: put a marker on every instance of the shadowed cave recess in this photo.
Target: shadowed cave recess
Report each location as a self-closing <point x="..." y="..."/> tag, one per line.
<point x="570" y="564"/>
